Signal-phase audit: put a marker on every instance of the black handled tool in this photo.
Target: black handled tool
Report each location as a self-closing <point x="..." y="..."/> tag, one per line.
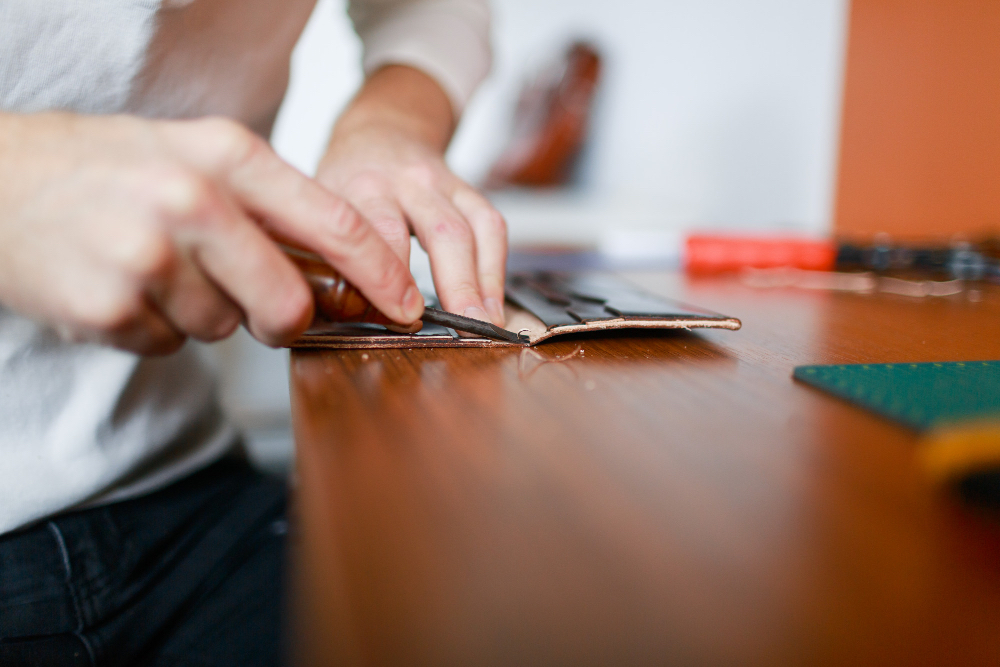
<point x="478" y="327"/>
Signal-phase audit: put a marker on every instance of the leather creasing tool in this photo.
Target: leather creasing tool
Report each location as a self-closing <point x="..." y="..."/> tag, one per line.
<point x="473" y="326"/>
<point x="339" y="301"/>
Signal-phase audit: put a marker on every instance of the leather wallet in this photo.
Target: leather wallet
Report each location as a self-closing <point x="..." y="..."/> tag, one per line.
<point x="541" y="305"/>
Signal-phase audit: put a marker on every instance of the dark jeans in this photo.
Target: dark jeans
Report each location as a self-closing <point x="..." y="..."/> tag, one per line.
<point x="189" y="575"/>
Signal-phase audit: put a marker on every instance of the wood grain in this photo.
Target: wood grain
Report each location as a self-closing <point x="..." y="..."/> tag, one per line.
<point x="641" y="499"/>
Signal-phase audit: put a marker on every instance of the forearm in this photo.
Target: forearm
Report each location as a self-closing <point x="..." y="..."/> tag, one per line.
<point x="400" y="100"/>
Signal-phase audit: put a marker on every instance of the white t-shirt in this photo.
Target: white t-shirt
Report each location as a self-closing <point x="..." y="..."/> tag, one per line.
<point x="82" y="424"/>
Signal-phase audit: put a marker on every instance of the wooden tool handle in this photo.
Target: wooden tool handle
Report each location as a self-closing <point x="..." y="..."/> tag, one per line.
<point x="336" y="299"/>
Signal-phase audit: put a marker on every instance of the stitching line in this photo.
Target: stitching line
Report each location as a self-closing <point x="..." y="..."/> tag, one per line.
<point x="72" y="592"/>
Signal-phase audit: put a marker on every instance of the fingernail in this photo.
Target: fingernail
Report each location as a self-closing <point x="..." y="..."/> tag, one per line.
<point x="476" y="313"/>
<point x="413" y="304"/>
<point x="495" y="310"/>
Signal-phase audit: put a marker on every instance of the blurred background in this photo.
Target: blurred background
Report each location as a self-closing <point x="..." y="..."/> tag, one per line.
<point x="711" y="111"/>
<point x="709" y="115"/>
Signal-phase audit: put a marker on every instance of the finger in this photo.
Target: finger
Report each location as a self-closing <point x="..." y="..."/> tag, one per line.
<point x="194" y="305"/>
<point x="446" y="236"/>
<point x="245" y="265"/>
<point x="116" y="314"/>
<point x="147" y="333"/>
<point x="299" y="209"/>
<point x="374" y="200"/>
<point x="490" y="232"/>
<point x="387" y="218"/>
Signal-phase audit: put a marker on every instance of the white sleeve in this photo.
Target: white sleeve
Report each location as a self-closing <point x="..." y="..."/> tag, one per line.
<point x="449" y="40"/>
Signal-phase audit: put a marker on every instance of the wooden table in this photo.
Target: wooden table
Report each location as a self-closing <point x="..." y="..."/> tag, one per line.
<point x="641" y="499"/>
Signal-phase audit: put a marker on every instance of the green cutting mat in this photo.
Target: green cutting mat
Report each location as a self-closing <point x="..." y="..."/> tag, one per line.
<point x="922" y="396"/>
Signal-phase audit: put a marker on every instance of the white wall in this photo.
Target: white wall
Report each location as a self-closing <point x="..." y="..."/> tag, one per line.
<point x="713" y="113"/>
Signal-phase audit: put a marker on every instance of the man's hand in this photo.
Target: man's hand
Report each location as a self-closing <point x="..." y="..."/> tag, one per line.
<point x="140" y="233"/>
<point x="386" y="158"/>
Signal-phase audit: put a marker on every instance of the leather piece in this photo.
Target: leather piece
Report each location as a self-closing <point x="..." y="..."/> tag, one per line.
<point x="526" y="296"/>
<point x="541" y="305"/>
<point x="622" y="298"/>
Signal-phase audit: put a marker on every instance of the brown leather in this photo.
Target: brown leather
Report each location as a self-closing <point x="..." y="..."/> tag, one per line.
<point x="542" y="306"/>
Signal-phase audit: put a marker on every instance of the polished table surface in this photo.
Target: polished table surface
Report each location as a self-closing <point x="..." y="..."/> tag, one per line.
<point x="641" y="499"/>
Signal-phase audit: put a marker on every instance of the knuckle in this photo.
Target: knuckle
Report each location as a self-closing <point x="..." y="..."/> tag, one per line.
<point x="423" y="175"/>
<point x="112" y="315"/>
<point x="222" y="327"/>
<point x="492" y="281"/>
<point x="466" y="288"/>
<point x="452" y="229"/>
<point x="347" y="229"/>
<point x="149" y="256"/>
<point x="495" y="223"/>
<point x="368" y="184"/>
<point x="393" y="231"/>
<point x="221" y="132"/>
<point x="389" y="274"/>
<point x="183" y="194"/>
<point x="229" y="142"/>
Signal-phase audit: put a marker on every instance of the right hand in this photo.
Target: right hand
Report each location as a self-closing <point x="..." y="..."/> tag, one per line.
<point x="138" y="233"/>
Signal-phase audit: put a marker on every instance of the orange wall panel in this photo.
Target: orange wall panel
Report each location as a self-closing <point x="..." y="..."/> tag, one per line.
<point x="920" y="142"/>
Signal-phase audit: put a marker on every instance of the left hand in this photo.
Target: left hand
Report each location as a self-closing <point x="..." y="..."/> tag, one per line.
<point x="386" y="159"/>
